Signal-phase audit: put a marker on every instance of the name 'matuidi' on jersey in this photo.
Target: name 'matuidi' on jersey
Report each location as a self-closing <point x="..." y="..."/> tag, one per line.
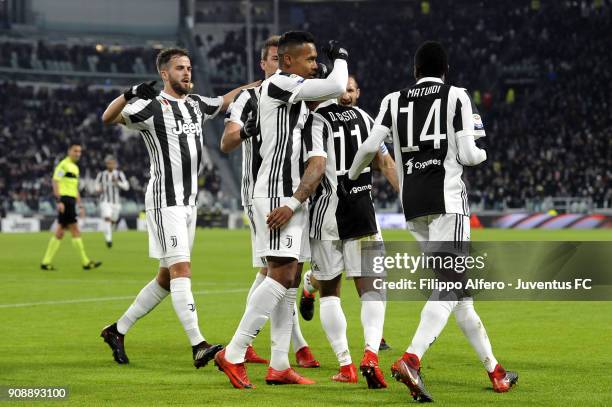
<point x="340" y="130"/>
<point x="281" y="120"/>
<point x="109" y="183"/>
<point x="241" y="109"/>
<point x="425" y="122"/>
<point x="172" y="131"/>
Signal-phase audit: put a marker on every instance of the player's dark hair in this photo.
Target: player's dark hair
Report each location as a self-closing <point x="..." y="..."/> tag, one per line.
<point x="270" y="42"/>
<point x="290" y="39"/>
<point x="73" y="144"/>
<point x="430" y="60"/>
<point x="167" y="54"/>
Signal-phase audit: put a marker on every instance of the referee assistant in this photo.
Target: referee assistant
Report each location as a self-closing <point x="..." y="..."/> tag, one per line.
<point x="66" y="192"/>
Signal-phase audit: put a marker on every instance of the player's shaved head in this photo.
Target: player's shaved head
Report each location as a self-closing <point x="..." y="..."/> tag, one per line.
<point x="430" y="60"/>
<point x="291" y="43"/>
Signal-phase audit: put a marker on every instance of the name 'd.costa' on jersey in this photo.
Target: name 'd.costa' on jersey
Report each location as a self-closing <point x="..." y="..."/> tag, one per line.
<point x="345" y="116"/>
<point x="189" y="129"/>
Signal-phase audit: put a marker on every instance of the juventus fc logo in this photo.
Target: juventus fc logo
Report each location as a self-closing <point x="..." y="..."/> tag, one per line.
<point x="191" y="307"/>
<point x="173" y="241"/>
<point x="409" y="166"/>
<point x="289" y="241"/>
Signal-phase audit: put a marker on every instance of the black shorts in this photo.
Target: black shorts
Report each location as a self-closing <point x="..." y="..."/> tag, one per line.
<point x="70" y="213"/>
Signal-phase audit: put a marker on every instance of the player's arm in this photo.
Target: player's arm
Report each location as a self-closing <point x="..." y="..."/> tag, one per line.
<point x="386" y="165"/>
<point x="58" y="174"/>
<point x="380" y="131"/>
<point x="112" y="114"/>
<point x="229" y="96"/>
<point x="308" y="184"/>
<point x="123" y="182"/>
<point x="314" y="137"/>
<point x="80" y="205"/>
<point x="467" y="126"/>
<point x="236" y="130"/>
<point x="98" y="183"/>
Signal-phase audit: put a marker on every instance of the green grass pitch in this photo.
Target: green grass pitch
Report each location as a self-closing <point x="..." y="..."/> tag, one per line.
<point x="51" y="323"/>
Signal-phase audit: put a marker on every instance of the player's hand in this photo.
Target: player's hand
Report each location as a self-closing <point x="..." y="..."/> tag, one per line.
<point x="250" y="128"/>
<point x="279" y="217"/>
<point x="142" y="91"/>
<point x="322" y="71"/>
<point x="334" y="51"/>
<point x="60" y="207"/>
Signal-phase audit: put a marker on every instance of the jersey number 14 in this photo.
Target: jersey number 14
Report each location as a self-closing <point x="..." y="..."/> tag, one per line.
<point x="433" y="114"/>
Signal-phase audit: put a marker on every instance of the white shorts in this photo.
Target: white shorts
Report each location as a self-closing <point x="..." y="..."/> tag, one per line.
<point x="449" y="228"/>
<point x="110" y="210"/>
<point x="171" y="231"/>
<point x="257" y="261"/>
<point x="331" y="257"/>
<point x="289" y="241"/>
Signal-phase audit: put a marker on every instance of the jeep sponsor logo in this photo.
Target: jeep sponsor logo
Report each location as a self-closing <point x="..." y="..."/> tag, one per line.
<point x="189" y="129"/>
<point x="419" y="165"/>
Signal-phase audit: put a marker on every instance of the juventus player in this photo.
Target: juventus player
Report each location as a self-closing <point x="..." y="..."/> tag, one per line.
<point x="342" y="217"/>
<point x="108" y="184"/>
<point x="386" y="165"/>
<point x="280" y="219"/>
<point x="433" y="127"/>
<point x="239" y="130"/>
<point x="171" y="125"/>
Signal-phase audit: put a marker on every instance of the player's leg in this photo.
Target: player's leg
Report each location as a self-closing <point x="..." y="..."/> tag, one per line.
<point x="372" y="305"/>
<point x="77" y="243"/>
<point x="282" y="269"/>
<point x="327" y="266"/>
<point x="251" y="356"/>
<point x="474" y="330"/>
<point x="179" y="224"/>
<point x="434" y="317"/>
<point x="303" y="355"/>
<point x="147" y="299"/>
<point x="52" y="247"/>
<point x="107" y="227"/>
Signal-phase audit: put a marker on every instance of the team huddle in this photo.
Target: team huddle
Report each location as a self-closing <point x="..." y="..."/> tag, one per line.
<point x="308" y="153"/>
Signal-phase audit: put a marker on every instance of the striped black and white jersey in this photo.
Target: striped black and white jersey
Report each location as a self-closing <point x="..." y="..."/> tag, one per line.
<point x="425" y="123"/>
<point x="172" y="131"/>
<point x="333" y="216"/>
<point x="109" y="184"/>
<point x="281" y="120"/>
<point x="241" y="109"/>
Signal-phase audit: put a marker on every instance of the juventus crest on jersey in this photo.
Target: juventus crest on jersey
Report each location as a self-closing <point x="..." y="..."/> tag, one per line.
<point x="109" y="183"/>
<point x="241" y="109"/>
<point x="425" y="122"/>
<point x="340" y="130"/>
<point x="172" y="131"/>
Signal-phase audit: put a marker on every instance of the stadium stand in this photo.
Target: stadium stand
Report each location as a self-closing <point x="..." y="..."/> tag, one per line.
<point x="543" y="110"/>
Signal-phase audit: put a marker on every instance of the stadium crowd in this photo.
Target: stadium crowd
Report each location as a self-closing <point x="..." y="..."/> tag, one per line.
<point x="37" y="122"/>
<point x="42" y="55"/>
<point x="538" y="73"/>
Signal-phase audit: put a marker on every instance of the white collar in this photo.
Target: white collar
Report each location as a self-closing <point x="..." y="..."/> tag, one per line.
<point x="429" y="79"/>
<point x="169" y="97"/>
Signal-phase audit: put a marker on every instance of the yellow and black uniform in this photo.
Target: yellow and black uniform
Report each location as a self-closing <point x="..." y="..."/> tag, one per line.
<point x="66" y="175"/>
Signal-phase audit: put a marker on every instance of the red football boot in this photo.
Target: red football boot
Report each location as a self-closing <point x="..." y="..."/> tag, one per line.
<point x="252" y="357"/>
<point x="236" y="372"/>
<point x="370" y="370"/>
<point x="407" y="370"/>
<point x="347" y="374"/>
<point x="287" y="376"/>
<point x="502" y="380"/>
<point x="304" y="358"/>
